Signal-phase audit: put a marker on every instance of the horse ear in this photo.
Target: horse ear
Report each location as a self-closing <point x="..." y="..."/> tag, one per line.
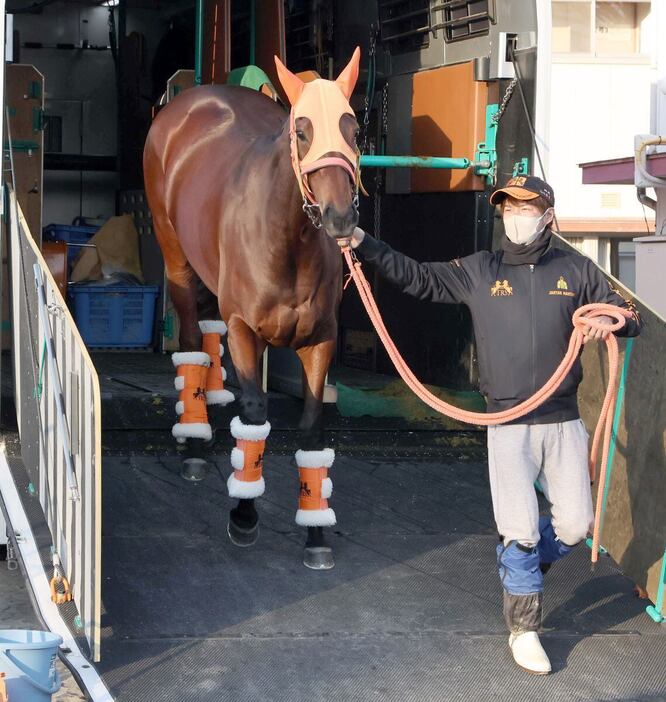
<point x="347" y="79"/>
<point x="292" y="84"/>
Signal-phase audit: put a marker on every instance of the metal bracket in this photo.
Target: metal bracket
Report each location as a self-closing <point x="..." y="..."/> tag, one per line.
<point x="521" y="167"/>
<point x="35" y="90"/>
<point x="486" y="154"/>
<point x="37" y="119"/>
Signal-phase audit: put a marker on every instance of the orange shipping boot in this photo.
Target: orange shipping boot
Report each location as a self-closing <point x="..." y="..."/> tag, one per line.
<point x="247" y="459"/>
<point x="316" y="488"/>
<point x="212" y="331"/>
<point x="191" y="371"/>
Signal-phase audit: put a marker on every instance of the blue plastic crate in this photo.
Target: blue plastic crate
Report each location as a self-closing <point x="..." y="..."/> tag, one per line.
<point x="71" y="235"/>
<point x="115" y="315"/>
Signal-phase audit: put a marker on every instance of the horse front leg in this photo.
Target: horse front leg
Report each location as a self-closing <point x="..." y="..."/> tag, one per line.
<point x="313" y="459"/>
<point x="250" y="429"/>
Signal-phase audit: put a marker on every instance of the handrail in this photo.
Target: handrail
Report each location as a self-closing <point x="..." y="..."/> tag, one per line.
<point x="59" y="420"/>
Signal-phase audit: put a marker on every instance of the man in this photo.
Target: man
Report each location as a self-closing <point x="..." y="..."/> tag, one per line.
<point x="522" y="298"/>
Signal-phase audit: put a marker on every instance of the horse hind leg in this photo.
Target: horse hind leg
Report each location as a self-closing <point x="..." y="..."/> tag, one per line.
<point x="314" y="460"/>
<point x="250" y="429"/>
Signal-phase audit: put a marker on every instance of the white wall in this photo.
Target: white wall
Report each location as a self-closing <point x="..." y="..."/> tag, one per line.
<point x="596" y="109"/>
<point x="79" y="86"/>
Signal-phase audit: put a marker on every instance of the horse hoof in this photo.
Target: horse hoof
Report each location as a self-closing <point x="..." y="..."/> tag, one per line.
<point x="318" y="557"/>
<point x="242" y="537"/>
<point x="193" y="470"/>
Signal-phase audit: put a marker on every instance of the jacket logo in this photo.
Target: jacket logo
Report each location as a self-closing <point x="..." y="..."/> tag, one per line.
<point x="562" y="289"/>
<point x="501" y="289"/>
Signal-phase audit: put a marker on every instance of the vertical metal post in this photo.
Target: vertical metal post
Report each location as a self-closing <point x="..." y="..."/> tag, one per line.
<point x="253" y="32"/>
<point x="198" y="46"/>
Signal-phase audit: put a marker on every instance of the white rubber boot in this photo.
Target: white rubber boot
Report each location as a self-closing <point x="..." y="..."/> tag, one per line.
<point x="528" y="653"/>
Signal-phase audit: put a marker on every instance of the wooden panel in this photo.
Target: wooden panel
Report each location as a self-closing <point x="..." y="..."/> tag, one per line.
<point x="55" y="255"/>
<point x="448" y="119"/>
<point x="634" y="530"/>
<point x="25" y="101"/>
<point x="270" y="40"/>
<point x="216" y="50"/>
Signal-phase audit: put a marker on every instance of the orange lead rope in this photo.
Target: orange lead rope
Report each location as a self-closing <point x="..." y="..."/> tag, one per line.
<point x="582" y="317"/>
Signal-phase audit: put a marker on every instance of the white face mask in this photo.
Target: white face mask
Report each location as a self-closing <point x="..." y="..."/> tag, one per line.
<point x="524" y="230"/>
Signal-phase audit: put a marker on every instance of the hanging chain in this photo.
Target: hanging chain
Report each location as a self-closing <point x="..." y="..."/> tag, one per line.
<point x="370" y="79"/>
<point x="505" y="100"/>
<point x="378" y="204"/>
<point x="379" y="176"/>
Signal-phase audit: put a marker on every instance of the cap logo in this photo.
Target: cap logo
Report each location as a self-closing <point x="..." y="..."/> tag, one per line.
<point x="518" y="180"/>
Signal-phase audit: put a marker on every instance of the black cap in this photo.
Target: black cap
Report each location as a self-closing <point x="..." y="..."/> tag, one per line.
<point x="524" y="188"/>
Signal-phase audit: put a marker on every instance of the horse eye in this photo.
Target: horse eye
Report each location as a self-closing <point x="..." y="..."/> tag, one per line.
<point x="300" y="134"/>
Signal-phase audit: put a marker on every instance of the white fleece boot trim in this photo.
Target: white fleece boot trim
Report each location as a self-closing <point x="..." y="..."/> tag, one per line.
<point x="192" y="431"/>
<point x="244" y="490"/>
<point x="213" y="326"/>
<point x="315" y="517"/>
<point x="219" y="397"/>
<point x="180" y="407"/>
<point x="326" y="488"/>
<point x="528" y="652"/>
<point x="237" y="458"/>
<point x="190" y="358"/>
<point x="179" y="382"/>
<point x="315" y="459"/>
<point x="249" y="432"/>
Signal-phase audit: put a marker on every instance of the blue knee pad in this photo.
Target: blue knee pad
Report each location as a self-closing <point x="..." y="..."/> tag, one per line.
<point x="519" y="570"/>
<point x="551" y="549"/>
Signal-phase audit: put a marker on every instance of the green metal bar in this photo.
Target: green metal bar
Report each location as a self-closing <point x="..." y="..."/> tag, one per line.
<point x="253" y="32"/>
<point x="21" y="145"/>
<point x="198" y="48"/>
<point x="375" y="161"/>
<point x="656" y="611"/>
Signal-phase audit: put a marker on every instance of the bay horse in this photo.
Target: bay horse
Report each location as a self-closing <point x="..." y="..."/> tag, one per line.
<point x="249" y="201"/>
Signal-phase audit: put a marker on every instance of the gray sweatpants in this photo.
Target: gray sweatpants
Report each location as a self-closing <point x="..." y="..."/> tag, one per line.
<point x="556" y="456"/>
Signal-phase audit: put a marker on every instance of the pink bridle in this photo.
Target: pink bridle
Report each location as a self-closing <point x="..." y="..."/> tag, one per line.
<point x="301" y="172"/>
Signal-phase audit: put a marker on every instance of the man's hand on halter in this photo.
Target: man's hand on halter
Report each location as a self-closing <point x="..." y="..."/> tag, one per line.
<point x="354" y="240"/>
<point x="597" y="334"/>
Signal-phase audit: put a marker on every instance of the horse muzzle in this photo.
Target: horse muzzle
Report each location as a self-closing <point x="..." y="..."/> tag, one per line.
<point x="339" y="225"/>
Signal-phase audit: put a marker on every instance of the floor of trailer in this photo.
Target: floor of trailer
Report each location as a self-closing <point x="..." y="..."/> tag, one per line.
<point x="410" y="612"/>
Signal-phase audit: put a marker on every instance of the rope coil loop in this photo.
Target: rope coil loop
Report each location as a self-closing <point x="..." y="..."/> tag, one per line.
<point x="583" y="317"/>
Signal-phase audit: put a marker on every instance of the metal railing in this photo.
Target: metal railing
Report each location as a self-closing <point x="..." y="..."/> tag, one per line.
<point x="59" y="420"/>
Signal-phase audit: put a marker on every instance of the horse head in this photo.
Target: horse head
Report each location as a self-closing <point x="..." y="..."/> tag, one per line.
<point x="324" y="154"/>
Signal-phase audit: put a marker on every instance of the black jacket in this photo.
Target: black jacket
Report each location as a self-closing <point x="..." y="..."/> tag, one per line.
<point x="521" y="314"/>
